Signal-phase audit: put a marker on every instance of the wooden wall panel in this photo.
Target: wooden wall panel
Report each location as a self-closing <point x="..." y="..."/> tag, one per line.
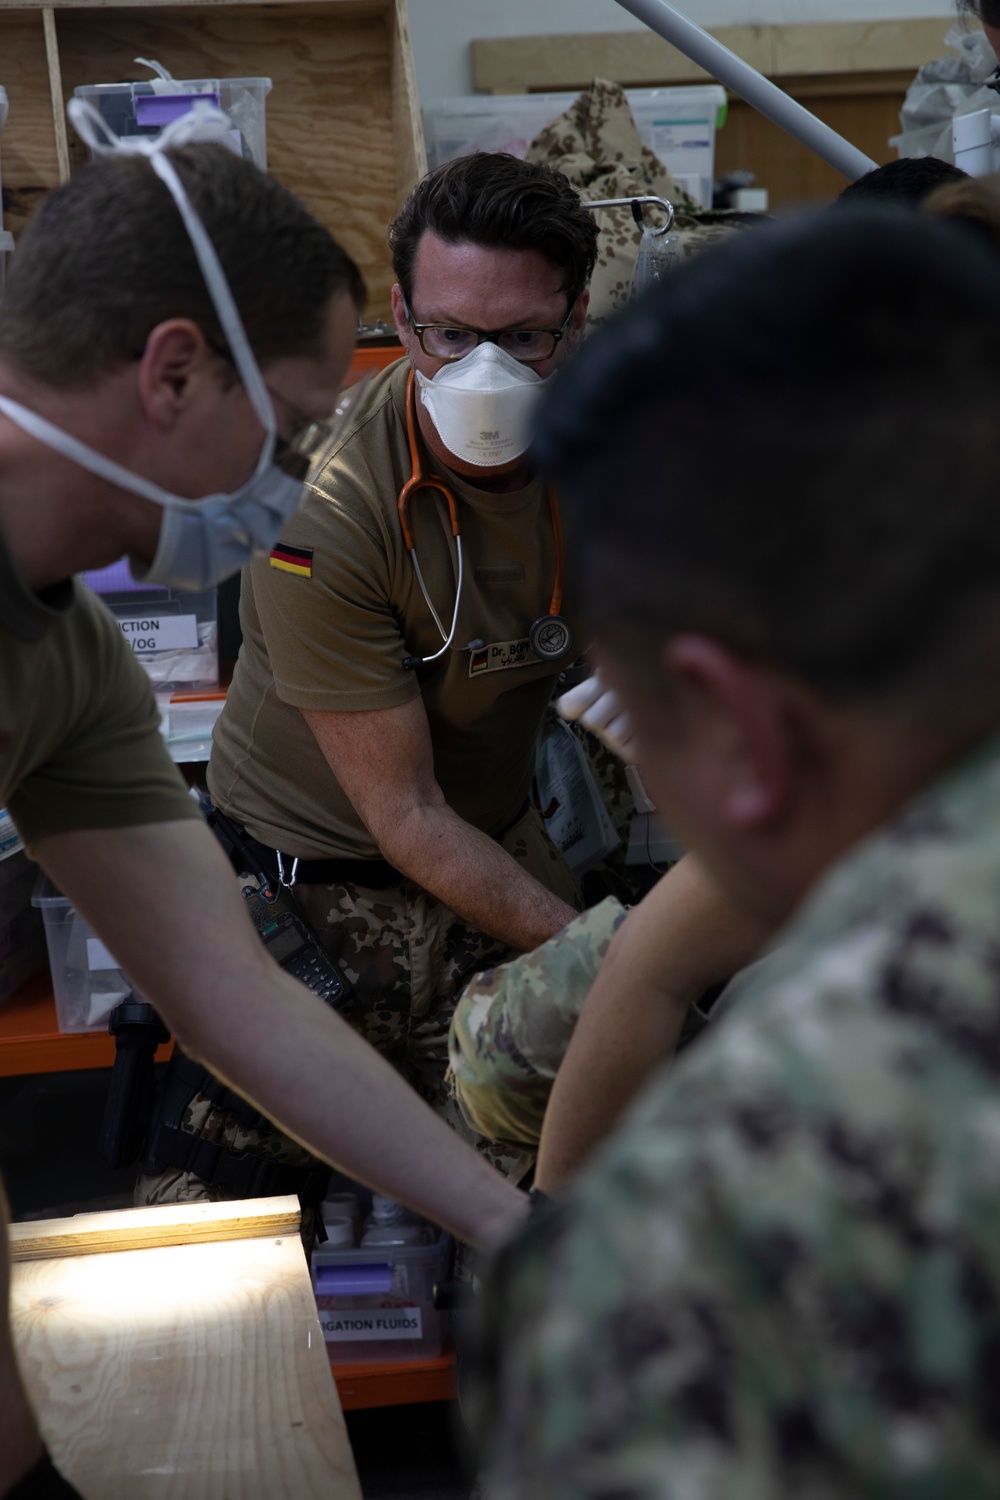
<point x="852" y="74"/>
<point x="864" y="112"/>
<point x="636" y="59"/>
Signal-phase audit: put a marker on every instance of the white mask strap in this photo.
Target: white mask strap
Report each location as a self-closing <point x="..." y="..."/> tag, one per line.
<point x="88" y="458"/>
<point x="204" y="122"/>
<point x="222" y="297"/>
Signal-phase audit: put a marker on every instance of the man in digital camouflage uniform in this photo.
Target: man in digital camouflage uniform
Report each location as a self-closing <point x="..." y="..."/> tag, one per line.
<point x="781" y="1275"/>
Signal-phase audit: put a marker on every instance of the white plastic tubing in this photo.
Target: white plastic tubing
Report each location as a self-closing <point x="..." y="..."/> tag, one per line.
<point x="750" y="85"/>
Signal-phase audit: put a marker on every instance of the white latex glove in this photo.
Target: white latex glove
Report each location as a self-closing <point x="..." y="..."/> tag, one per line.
<point x="600" y="711"/>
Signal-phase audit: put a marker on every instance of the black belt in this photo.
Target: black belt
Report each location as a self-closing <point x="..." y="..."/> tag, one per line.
<point x="376" y="874"/>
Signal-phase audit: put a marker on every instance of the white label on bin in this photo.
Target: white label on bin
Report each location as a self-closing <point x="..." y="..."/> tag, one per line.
<point x="362" y="1325"/>
<point x="160" y="632"/>
<point x="98" y="956"/>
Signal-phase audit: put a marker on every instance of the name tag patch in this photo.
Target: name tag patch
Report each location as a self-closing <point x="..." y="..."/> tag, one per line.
<point x="501" y="656"/>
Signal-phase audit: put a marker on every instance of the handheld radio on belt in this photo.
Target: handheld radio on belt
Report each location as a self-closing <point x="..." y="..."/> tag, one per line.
<point x="278" y="918"/>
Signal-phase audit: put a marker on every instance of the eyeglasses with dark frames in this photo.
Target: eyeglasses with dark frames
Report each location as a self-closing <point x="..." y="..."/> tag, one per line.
<point x="529" y="345"/>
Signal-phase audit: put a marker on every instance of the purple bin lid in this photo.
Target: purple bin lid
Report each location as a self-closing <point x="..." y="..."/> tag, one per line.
<point x="117" y="578"/>
<point x="160" y="109"/>
<point x="354" y="1281"/>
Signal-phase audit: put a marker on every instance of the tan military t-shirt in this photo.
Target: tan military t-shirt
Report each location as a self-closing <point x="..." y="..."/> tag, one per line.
<point x="327" y="624"/>
<point x="80" y="743"/>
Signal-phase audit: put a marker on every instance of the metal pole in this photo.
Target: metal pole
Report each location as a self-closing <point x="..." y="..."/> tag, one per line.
<point x="750" y="85"/>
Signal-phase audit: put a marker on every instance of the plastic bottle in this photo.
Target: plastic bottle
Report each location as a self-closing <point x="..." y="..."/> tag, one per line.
<point x="391" y="1224"/>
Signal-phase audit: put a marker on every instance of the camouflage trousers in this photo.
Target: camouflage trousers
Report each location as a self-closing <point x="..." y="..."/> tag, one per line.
<point x="408" y="957"/>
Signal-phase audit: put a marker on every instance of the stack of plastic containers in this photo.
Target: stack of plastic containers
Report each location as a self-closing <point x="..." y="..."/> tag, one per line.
<point x="86" y="980"/>
<point x="374" y="1279"/>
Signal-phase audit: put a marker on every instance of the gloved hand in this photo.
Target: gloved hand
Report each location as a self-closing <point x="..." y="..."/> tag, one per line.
<point x="599" y="709"/>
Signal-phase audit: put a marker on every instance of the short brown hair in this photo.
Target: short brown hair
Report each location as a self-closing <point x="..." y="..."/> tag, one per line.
<point x="106" y="258"/>
<point x="496" y="199"/>
<point x="983" y="10"/>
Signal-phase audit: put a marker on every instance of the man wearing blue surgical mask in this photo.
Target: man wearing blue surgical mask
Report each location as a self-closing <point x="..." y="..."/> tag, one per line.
<point x="169" y="330"/>
<point x="403" y="639"/>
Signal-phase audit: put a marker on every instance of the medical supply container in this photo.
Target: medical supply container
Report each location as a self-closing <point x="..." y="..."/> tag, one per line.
<point x="678" y="124"/>
<point x="86" y="980"/>
<point x="145" y="108"/>
<point x="173" y="633"/>
<point x="377" y="1303"/>
<point x="22" y="935"/>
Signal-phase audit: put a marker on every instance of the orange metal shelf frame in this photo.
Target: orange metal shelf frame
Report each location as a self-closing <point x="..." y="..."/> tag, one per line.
<point x="361" y="1386"/>
<point x="371" y="359"/>
<point x="31" y="1042"/>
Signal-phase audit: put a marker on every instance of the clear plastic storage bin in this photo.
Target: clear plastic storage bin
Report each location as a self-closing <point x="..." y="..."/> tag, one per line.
<point x="377" y="1303"/>
<point x="145" y="108"/>
<point x="86" y="980"/>
<point x="175" y="634"/>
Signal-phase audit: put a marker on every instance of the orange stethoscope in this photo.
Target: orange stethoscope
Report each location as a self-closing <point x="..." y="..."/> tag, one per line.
<point x="551" y="636"/>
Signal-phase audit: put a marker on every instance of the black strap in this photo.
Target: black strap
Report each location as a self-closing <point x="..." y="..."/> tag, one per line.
<point x="43" y="1482"/>
<point x="375" y="874"/>
<point x="245" y="1173"/>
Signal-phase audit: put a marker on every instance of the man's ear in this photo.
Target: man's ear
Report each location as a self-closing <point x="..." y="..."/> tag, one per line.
<point x="399" y="317"/>
<point x="175" y="363"/>
<point x="578" y="322"/>
<point x="737" y="714"/>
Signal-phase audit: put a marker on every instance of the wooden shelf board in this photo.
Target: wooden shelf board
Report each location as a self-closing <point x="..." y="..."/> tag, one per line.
<point x="401" y="1384"/>
<point x="31" y="1042"/>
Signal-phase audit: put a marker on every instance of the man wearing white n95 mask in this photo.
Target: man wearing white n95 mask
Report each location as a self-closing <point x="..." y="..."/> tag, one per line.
<point x="140" y="372"/>
<point x="402" y="641"/>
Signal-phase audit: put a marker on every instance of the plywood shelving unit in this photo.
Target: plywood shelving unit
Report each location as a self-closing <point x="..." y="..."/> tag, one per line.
<point x="343" y="119"/>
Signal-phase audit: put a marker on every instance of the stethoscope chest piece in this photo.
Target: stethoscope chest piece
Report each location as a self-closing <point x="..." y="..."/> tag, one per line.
<point x="551" y="637"/>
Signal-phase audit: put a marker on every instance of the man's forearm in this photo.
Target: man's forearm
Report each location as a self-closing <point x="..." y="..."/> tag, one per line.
<point x="322" y="1083"/>
<point x="163" y="899"/>
<point x="472" y="874"/>
<point x="683" y="938"/>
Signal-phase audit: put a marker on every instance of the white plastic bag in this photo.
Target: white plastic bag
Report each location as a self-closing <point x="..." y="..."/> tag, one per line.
<point x="658" y="255"/>
<point x="949" y="86"/>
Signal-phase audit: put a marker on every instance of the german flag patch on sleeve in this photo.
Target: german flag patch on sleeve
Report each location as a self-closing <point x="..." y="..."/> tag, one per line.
<point x="298" y="560"/>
